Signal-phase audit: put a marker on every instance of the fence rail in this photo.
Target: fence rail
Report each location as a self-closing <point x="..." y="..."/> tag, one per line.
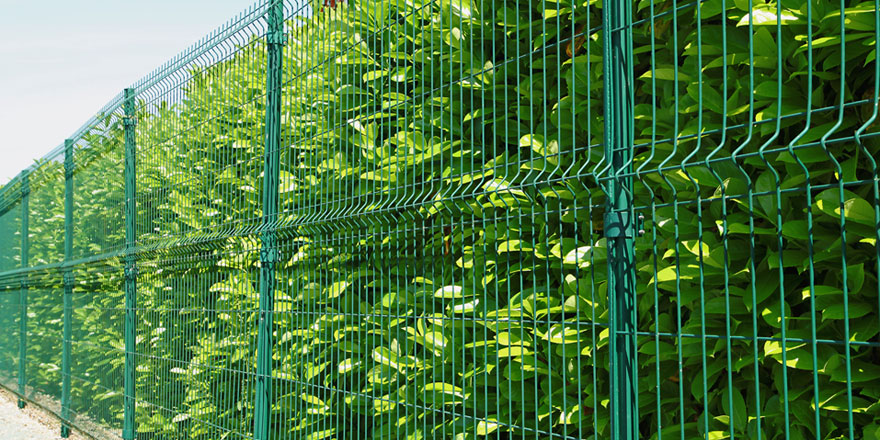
<point x="466" y="219"/>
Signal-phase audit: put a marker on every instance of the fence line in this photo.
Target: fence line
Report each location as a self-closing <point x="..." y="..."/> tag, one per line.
<point x="502" y="219"/>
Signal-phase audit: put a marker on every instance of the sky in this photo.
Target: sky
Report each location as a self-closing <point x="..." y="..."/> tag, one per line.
<point x="61" y="61"/>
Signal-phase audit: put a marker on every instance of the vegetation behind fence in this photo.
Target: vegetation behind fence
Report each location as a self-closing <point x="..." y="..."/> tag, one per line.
<point x="466" y="219"/>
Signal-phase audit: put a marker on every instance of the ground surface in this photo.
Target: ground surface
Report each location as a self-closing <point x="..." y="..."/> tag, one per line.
<point x="30" y="423"/>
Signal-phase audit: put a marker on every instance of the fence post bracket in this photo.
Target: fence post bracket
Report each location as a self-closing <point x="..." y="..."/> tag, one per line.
<point x="275" y="39"/>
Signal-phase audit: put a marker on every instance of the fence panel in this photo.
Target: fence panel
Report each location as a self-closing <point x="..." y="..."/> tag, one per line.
<point x="440" y="273"/>
<point x="10" y="290"/>
<point x="466" y="219"/>
<point x="10" y="315"/>
<point x="199" y="165"/>
<point x="758" y="318"/>
<point x="45" y="291"/>
<point x="97" y="351"/>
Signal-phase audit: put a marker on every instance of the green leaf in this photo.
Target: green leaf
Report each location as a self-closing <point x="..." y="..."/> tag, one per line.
<point x="286" y="182"/>
<point x="514" y="246"/>
<point x="739" y="412"/>
<point x="511" y="338"/>
<point x="312" y="400"/>
<point x="441" y="393"/>
<point x="667" y="74"/>
<point x="336" y="289"/>
<point x="452" y="292"/>
<point x="562" y="334"/>
<point x="856" y="209"/>
<point x="436" y="341"/>
<point x="375" y="74"/>
<point x="487" y="426"/>
<point x="765" y="17"/>
<point x="391" y="359"/>
<point x="842" y="310"/>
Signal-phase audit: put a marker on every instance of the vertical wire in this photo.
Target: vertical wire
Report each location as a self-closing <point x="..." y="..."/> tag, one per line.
<point x="751" y="208"/>
<point x="408" y="223"/>
<point x="419" y="222"/>
<point x="653" y="205"/>
<point x="567" y="413"/>
<point x="699" y="203"/>
<point x="443" y="227"/>
<point x="676" y="229"/>
<point x="870" y="158"/>
<point x="574" y="210"/>
<point x="506" y="219"/>
<point x="841" y="201"/>
<point x="779" y="238"/>
<point x="426" y="229"/>
<point x="724" y="223"/>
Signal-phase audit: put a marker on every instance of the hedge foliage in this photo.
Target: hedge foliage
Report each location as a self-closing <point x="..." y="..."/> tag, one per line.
<point x="442" y="259"/>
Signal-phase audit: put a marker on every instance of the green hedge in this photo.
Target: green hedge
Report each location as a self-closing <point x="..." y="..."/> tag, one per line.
<point x="443" y="267"/>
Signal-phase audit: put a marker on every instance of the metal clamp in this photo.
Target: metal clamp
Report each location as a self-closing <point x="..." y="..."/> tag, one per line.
<point x="68" y="278"/>
<point x="24" y="284"/>
<point x="131" y="272"/>
<point x="129" y="121"/>
<point x="619" y="225"/>
<point x="69" y="168"/>
<point x="276" y="38"/>
<point x="268" y="255"/>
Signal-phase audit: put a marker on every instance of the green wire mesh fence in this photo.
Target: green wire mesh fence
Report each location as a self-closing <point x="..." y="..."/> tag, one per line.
<point x="466" y="219"/>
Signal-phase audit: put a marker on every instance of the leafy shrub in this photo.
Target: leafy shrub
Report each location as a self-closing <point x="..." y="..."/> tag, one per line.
<point x="442" y="263"/>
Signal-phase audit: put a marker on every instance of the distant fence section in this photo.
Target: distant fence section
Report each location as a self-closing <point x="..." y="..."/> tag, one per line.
<point x="466" y="219"/>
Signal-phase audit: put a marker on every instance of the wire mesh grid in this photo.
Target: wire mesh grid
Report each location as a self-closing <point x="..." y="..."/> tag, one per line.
<point x="467" y="219"/>
<point x="756" y="297"/>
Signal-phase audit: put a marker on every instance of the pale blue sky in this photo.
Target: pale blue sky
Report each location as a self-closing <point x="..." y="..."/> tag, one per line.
<point x="61" y="61"/>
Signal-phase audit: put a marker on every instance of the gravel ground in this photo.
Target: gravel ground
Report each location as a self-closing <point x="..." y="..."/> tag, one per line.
<point x="30" y="423"/>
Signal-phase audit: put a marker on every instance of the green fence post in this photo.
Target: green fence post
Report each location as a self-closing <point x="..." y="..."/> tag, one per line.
<point x="23" y="293"/>
<point x="275" y="40"/>
<point x="620" y="221"/>
<point x="68" y="286"/>
<point x="130" y="270"/>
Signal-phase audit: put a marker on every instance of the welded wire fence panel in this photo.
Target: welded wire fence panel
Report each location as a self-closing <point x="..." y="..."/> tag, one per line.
<point x="199" y="138"/>
<point x="98" y="184"/>
<point x="759" y="300"/>
<point x="199" y="161"/>
<point x="10" y="243"/>
<point x="10" y="298"/>
<point x="441" y="275"/>
<point x="97" y="350"/>
<point x="466" y="219"/>
<point x="93" y="339"/>
<point x="199" y="357"/>
<point x="42" y="361"/>
<point x="9" y="319"/>
<point x="46" y="180"/>
<point x="44" y="331"/>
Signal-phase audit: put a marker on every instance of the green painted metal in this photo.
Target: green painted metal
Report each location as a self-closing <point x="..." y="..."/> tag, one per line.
<point x="498" y="219"/>
<point x="129" y="430"/>
<point x="69" y="169"/>
<point x="620" y="220"/>
<point x="23" y="293"/>
<point x="269" y="244"/>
